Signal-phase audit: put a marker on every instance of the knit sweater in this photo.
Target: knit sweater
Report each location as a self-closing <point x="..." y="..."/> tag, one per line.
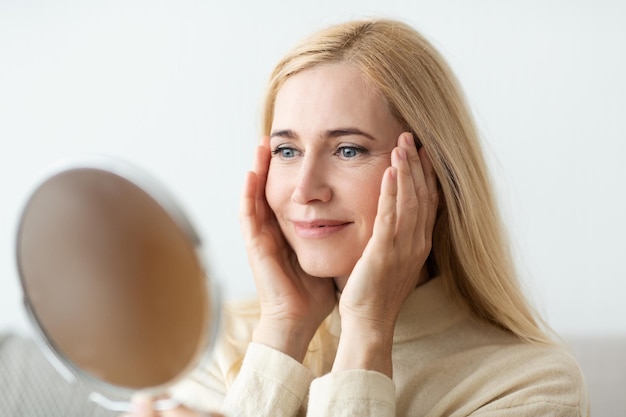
<point x="445" y="363"/>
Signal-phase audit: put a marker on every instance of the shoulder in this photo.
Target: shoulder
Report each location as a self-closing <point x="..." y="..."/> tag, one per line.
<point x="492" y="370"/>
<point x="528" y="376"/>
<point x="547" y="362"/>
<point x="237" y="322"/>
<point x="239" y="317"/>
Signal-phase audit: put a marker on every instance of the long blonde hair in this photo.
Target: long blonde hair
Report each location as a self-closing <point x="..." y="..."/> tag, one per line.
<point x="469" y="245"/>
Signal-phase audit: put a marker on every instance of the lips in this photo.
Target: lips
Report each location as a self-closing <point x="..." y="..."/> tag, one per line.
<point x="318" y="229"/>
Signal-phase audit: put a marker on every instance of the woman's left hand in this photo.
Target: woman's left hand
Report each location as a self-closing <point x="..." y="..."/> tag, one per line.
<point x="392" y="262"/>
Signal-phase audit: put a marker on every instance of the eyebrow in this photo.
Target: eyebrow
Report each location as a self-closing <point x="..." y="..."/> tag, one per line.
<point x="328" y="134"/>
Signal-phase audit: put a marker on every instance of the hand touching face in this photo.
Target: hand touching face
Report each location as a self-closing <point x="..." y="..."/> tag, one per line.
<point x="331" y="140"/>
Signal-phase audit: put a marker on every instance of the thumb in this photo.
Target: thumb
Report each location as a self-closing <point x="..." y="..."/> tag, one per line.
<point x="143" y="406"/>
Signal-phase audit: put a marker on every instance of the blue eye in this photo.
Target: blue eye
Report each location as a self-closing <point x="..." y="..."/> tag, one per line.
<point x="285" y="152"/>
<point x="349" y="152"/>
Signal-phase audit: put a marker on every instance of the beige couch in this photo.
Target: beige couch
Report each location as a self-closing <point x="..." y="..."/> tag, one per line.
<point x="31" y="387"/>
<point x="603" y="361"/>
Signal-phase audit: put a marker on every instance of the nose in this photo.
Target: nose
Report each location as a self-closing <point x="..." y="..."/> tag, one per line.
<point x="312" y="182"/>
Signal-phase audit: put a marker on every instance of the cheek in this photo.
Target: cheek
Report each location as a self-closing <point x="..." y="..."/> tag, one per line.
<point x="364" y="193"/>
<point x="370" y="193"/>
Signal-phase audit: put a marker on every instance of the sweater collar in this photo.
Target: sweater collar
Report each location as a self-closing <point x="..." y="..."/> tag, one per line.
<point x="427" y="310"/>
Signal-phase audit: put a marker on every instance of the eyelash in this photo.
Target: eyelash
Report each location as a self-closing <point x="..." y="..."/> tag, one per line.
<point x="279" y="149"/>
<point x="358" y="151"/>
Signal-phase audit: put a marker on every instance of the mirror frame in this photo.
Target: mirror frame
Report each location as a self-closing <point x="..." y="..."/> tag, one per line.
<point x="72" y="372"/>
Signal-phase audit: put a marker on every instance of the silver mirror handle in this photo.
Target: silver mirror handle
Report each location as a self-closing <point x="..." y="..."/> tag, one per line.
<point x="127" y="406"/>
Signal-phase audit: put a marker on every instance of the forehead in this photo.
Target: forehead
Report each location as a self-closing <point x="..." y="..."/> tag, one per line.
<point x="330" y="94"/>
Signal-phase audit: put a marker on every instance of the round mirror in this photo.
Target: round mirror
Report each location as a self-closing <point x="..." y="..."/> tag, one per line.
<point x="113" y="279"/>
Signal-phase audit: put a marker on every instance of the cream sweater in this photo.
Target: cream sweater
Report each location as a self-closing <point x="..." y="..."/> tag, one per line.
<point x="445" y="363"/>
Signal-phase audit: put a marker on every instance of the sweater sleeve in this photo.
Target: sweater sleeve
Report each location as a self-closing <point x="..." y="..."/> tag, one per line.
<point x="270" y="383"/>
<point x="352" y="393"/>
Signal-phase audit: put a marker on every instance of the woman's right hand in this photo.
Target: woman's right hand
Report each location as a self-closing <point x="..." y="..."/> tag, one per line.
<point x="293" y="303"/>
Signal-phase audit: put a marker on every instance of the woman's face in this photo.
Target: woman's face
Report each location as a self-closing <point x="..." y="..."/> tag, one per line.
<point x="331" y="141"/>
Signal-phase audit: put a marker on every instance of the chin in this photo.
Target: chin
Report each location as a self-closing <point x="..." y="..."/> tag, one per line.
<point x="319" y="271"/>
<point x="322" y="266"/>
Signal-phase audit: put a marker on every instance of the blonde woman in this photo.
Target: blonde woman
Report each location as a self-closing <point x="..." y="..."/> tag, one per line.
<point x="385" y="283"/>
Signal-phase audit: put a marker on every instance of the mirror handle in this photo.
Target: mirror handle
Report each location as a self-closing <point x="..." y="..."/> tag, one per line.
<point x="126" y="406"/>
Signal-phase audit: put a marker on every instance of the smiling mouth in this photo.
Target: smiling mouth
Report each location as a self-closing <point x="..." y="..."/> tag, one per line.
<point x="321" y="223"/>
<point x="319" y="229"/>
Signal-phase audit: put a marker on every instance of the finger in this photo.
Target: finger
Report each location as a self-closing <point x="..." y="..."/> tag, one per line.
<point x="431" y="181"/>
<point x="262" y="158"/>
<point x="252" y="209"/>
<point x="418" y="202"/>
<point x="407" y="143"/>
<point x="261" y="162"/>
<point x="248" y="207"/>
<point x="142" y="406"/>
<point x="408" y="206"/>
<point x="386" y="215"/>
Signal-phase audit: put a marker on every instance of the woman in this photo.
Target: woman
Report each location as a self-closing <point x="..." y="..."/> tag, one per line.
<point x="384" y="279"/>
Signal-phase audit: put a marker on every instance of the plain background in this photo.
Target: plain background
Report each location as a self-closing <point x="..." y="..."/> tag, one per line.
<point x="174" y="88"/>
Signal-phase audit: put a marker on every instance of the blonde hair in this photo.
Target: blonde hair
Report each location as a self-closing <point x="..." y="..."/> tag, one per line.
<point x="469" y="245"/>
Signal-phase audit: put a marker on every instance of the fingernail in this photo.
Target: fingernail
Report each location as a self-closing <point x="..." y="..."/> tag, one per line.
<point x="401" y="153"/>
<point x="408" y="139"/>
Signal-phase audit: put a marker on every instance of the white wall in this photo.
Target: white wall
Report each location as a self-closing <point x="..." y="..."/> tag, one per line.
<point x="174" y="87"/>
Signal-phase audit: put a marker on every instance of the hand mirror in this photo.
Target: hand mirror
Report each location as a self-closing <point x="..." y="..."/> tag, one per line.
<point x="113" y="280"/>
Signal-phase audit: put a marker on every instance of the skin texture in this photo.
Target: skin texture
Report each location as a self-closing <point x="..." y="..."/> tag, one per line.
<point x="335" y="136"/>
<point x="339" y="198"/>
